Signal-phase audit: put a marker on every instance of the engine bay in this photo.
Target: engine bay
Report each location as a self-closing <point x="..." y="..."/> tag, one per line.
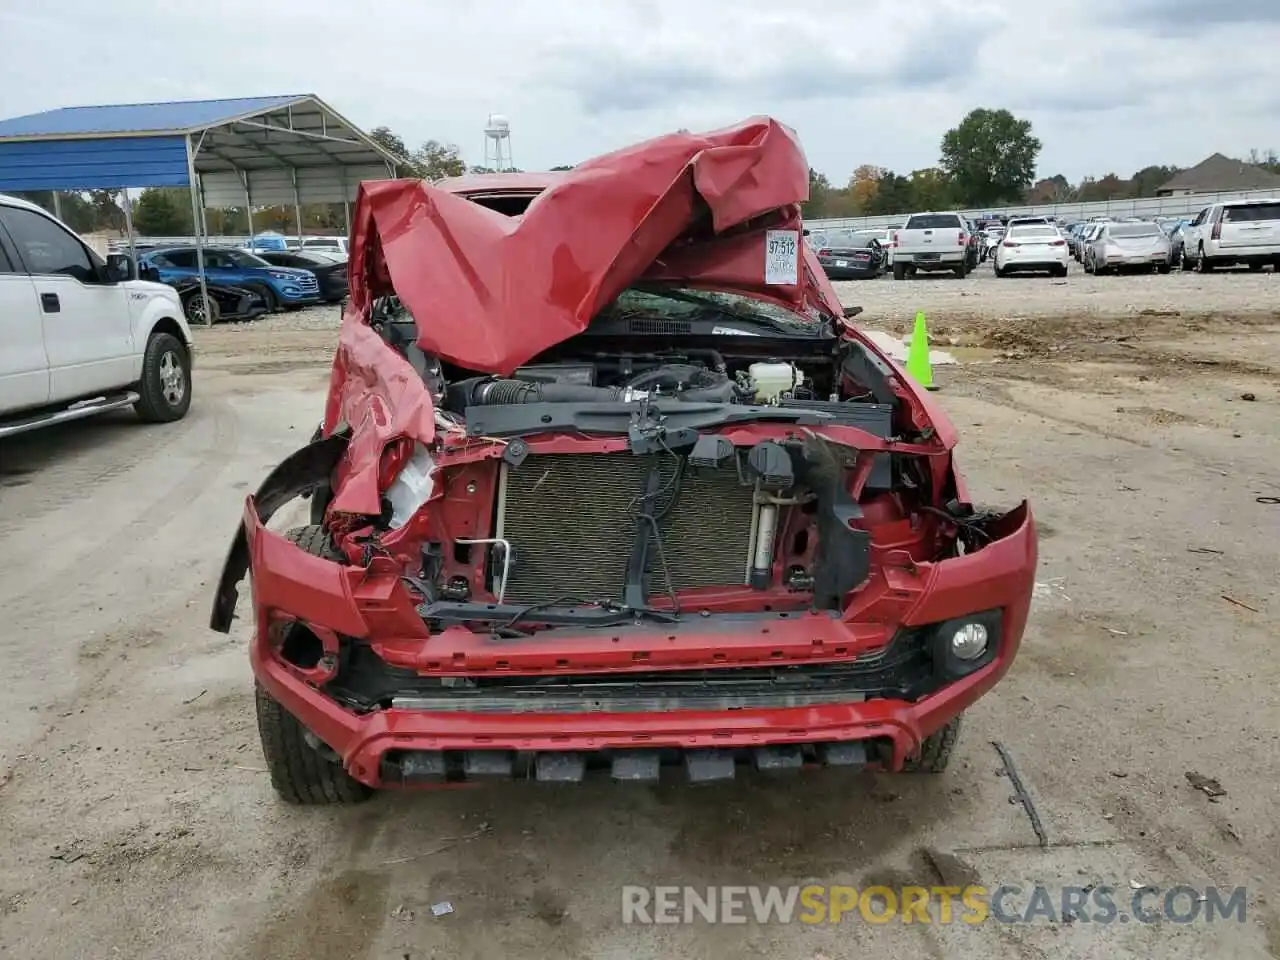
<point x="708" y="364"/>
<point x="791" y="522"/>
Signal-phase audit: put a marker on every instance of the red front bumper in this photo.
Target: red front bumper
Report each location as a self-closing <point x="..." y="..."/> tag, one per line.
<point x="289" y="582"/>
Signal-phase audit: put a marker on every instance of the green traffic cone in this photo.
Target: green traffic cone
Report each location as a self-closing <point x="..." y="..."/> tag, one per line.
<point x="918" y="355"/>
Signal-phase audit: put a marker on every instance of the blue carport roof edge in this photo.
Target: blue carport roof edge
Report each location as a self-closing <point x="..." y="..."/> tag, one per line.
<point x="140" y="119"/>
<point x="256" y="139"/>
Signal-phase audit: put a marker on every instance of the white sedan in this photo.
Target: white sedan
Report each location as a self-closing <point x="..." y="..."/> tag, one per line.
<point x="1032" y="247"/>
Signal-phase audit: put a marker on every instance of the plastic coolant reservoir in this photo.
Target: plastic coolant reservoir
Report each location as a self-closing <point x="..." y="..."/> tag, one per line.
<point x="412" y="488"/>
<point x="772" y="379"/>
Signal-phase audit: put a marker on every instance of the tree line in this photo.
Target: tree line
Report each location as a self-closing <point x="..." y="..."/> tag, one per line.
<point x="987" y="160"/>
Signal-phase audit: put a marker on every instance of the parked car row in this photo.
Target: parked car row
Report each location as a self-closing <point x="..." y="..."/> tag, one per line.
<point x="1229" y="233"/>
<point x="242" y="284"/>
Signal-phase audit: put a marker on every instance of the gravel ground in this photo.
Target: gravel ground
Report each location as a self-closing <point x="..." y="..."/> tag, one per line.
<point x="136" y="819"/>
<point x="982" y="295"/>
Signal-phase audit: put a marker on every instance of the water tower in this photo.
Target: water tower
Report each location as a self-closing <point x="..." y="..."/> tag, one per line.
<point x="497" y="143"/>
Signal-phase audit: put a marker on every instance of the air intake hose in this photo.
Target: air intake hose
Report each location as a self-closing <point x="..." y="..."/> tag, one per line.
<point x="493" y="392"/>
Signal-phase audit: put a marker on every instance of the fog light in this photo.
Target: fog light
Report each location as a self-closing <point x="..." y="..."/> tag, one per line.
<point x="969" y="642"/>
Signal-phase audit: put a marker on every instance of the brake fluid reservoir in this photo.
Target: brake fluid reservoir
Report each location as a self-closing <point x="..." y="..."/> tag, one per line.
<point x="773" y="379"/>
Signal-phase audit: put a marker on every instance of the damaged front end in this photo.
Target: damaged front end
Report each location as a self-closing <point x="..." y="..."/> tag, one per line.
<point x="681" y="511"/>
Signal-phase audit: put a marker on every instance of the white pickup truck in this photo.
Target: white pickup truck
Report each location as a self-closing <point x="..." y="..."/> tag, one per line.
<point x="80" y="335"/>
<point x="932" y="241"/>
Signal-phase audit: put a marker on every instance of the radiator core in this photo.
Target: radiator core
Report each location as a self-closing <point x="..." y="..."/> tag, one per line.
<point x="571" y="523"/>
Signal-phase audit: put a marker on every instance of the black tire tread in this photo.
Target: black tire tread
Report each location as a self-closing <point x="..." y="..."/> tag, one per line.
<point x="299" y="773"/>
<point x="151" y="406"/>
<point x="314" y="539"/>
<point x="935" y="752"/>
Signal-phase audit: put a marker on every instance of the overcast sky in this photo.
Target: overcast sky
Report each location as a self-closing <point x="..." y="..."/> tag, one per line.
<point x="1108" y="86"/>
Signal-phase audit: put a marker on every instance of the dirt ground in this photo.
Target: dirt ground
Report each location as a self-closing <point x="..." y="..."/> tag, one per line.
<point x="1137" y="414"/>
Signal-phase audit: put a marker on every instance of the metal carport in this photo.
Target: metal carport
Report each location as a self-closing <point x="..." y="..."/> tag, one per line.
<point x="255" y="151"/>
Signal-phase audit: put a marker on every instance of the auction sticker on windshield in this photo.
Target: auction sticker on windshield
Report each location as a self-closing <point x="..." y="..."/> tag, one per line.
<point x="782" y="257"/>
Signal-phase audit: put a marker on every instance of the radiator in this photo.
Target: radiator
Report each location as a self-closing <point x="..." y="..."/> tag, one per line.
<point x="570" y="520"/>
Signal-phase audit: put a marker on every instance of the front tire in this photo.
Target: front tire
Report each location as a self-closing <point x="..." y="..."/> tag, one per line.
<point x="268" y="295"/>
<point x="300" y="773"/>
<point x="164" y="392"/>
<point x="936" y="750"/>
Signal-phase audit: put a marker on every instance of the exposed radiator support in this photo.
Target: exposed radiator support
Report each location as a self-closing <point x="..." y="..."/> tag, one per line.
<point x="570" y="520"/>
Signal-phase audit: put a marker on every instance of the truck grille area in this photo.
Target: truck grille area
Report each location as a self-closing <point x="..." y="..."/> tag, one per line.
<point x="571" y="521"/>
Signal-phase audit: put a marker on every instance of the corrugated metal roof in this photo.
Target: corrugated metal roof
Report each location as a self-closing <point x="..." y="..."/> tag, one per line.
<point x="174" y="117"/>
<point x="93" y="164"/>
<point x="266" y="150"/>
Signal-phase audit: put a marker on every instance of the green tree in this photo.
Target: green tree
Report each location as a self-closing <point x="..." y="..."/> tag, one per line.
<point x="77" y="212"/>
<point x="431" y="161"/>
<point x="1110" y="187"/>
<point x="436" y="160"/>
<point x="990" y="157"/>
<point x="1145" y="182"/>
<point x="930" y="189"/>
<point x="162" y="212"/>
<point x="386" y="138"/>
<point x="815" y="208"/>
<point x="107" y="212"/>
<point x="893" y="195"/>
<point x="222" y="221"/>
<point x="1055" y="189"/>
<point x="842" y="203"/>
<point x="863" y="185"/>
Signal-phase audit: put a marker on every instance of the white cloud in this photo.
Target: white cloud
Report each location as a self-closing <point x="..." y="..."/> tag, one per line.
<point x="879" y="81"/>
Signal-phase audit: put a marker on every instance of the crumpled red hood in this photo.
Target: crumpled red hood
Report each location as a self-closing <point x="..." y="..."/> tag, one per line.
<point x="489" y="291"/>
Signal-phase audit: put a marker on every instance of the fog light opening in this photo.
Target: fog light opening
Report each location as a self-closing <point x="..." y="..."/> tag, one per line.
<point x="969" y="642"/>
<point x="301" y="647"/>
